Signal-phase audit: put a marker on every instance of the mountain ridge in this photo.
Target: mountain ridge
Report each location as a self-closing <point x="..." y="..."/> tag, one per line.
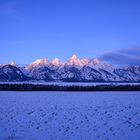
<point x="73" y="70"/>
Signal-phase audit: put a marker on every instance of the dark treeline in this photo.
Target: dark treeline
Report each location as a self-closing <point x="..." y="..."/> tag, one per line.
<point x="32" y="87"/>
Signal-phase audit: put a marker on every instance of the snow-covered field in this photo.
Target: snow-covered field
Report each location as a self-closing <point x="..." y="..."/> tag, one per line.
<point x="69" y="115"/>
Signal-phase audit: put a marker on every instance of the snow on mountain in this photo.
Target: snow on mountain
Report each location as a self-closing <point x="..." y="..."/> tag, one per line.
<point x="84" y="61"/>
<point x="131" y="73"/>
<point x="39" y="63"/>
<point x="76" y="62"/>
<point x="12" y="73"/>
<point x="13" y="63"/>
<point x="95" y="63"/>
<point x="74" y="69"/>
<point x="56" y="62"/>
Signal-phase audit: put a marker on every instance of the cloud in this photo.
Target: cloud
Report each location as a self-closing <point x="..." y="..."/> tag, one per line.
<point x="130" y="56"/>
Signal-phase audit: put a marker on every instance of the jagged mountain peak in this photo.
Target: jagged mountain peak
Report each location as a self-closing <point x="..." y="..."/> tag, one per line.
<point x="56" y="62"/>
<point x="74" y="57"/>
<point x="40" y="62"/>
<point x="97" y="64"/>
<point x="85" y="61"/>
<point x="13" y="63"/>
<point x="96" y="61"/>
<point x="74" y="69"/>
<point x="74" y="60"/>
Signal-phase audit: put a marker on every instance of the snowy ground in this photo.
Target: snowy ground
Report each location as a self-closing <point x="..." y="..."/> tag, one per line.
<point x="69" y="115"/>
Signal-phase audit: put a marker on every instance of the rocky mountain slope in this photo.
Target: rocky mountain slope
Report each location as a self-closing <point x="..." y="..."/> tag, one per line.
<point x="74" y="70"/>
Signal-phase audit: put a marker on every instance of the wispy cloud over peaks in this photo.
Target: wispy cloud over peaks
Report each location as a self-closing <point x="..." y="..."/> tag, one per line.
<point x="129" y="56"/>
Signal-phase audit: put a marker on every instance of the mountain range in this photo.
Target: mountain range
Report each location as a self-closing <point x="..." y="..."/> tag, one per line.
<point x="73" y="70"/>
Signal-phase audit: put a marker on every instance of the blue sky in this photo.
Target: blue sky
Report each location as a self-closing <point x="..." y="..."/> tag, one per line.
<point x="32" y="29"/>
